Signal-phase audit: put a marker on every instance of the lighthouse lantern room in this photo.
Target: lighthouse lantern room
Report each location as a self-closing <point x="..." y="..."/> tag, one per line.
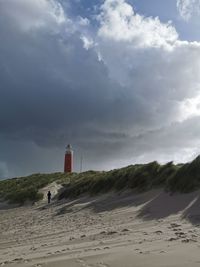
<point x="68" y="166"/>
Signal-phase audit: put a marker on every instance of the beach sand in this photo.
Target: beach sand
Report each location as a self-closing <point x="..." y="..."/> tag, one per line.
<point x="113" y="230"/>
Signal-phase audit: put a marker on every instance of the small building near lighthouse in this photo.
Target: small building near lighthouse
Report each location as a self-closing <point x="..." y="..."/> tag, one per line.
<point x="68" y="164"/>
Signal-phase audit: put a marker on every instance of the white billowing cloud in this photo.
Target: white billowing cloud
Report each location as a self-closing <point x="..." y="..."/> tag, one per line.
<point x="149" y="61"/>
<point x="120" y="22"/>
<point x="188" y="8"/>
<point x="34" y="14"/>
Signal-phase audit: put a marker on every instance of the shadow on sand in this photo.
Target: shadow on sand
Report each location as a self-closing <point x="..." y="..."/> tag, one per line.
<point x="166" y="204"/>
<point x="108" y="202"/>
<point x="192" y="213"/>
<point x="155" y="204"/>
<point x="7" y="206"/>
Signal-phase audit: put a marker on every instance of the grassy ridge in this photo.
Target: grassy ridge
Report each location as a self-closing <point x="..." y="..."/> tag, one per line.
<point x="187" y="178"/>
<point x="22" y="189"/>
<point x="141" y="177"/>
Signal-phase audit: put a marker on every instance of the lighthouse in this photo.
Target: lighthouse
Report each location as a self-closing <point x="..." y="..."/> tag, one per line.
<point x="68" y="159"/>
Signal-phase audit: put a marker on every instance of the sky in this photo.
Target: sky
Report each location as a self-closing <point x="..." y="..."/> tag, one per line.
<point x="117" y="79"/>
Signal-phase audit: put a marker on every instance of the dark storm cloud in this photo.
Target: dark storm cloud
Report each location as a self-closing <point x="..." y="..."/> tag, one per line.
<point x="53" y="89"/>
<point x="49" y="84"/>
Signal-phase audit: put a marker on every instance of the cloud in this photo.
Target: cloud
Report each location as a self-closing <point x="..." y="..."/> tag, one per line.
<point x="119" y="22"/>
<point x="188" y="8"/>
<point x="159" y="73"/>
<point x="179" y="141"/>
<point x="108" y="88"/>
<point x="36" y="14"/>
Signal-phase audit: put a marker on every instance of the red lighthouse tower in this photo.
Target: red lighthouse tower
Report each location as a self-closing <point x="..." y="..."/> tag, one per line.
<point x="68" y="159"/>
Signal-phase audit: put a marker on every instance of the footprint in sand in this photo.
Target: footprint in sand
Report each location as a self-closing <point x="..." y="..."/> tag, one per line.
<point x="57" y="252"/>
<point x="125" y="230"/>
<point x="172" y="239"/>
<point x="18" y="260"/>
<point x="162" y="251"/>
<point x="174" y="225"/>
<point x="158" y="232"/>
<point x="111" y="232"/>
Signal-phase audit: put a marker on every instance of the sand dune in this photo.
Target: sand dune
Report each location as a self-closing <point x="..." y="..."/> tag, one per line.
<point x="113" y="230"/>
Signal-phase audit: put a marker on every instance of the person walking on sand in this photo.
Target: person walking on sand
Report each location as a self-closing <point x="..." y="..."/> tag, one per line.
<point x="49" y="196"/>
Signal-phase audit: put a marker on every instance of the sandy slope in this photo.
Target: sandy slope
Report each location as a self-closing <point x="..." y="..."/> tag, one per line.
<point x="126" y="230"/>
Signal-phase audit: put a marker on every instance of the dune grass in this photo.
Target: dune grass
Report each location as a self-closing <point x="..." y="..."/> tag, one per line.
<point x="22" y="189"/>
<point x="140" y="177"/>
<point x="187" y="178"/>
